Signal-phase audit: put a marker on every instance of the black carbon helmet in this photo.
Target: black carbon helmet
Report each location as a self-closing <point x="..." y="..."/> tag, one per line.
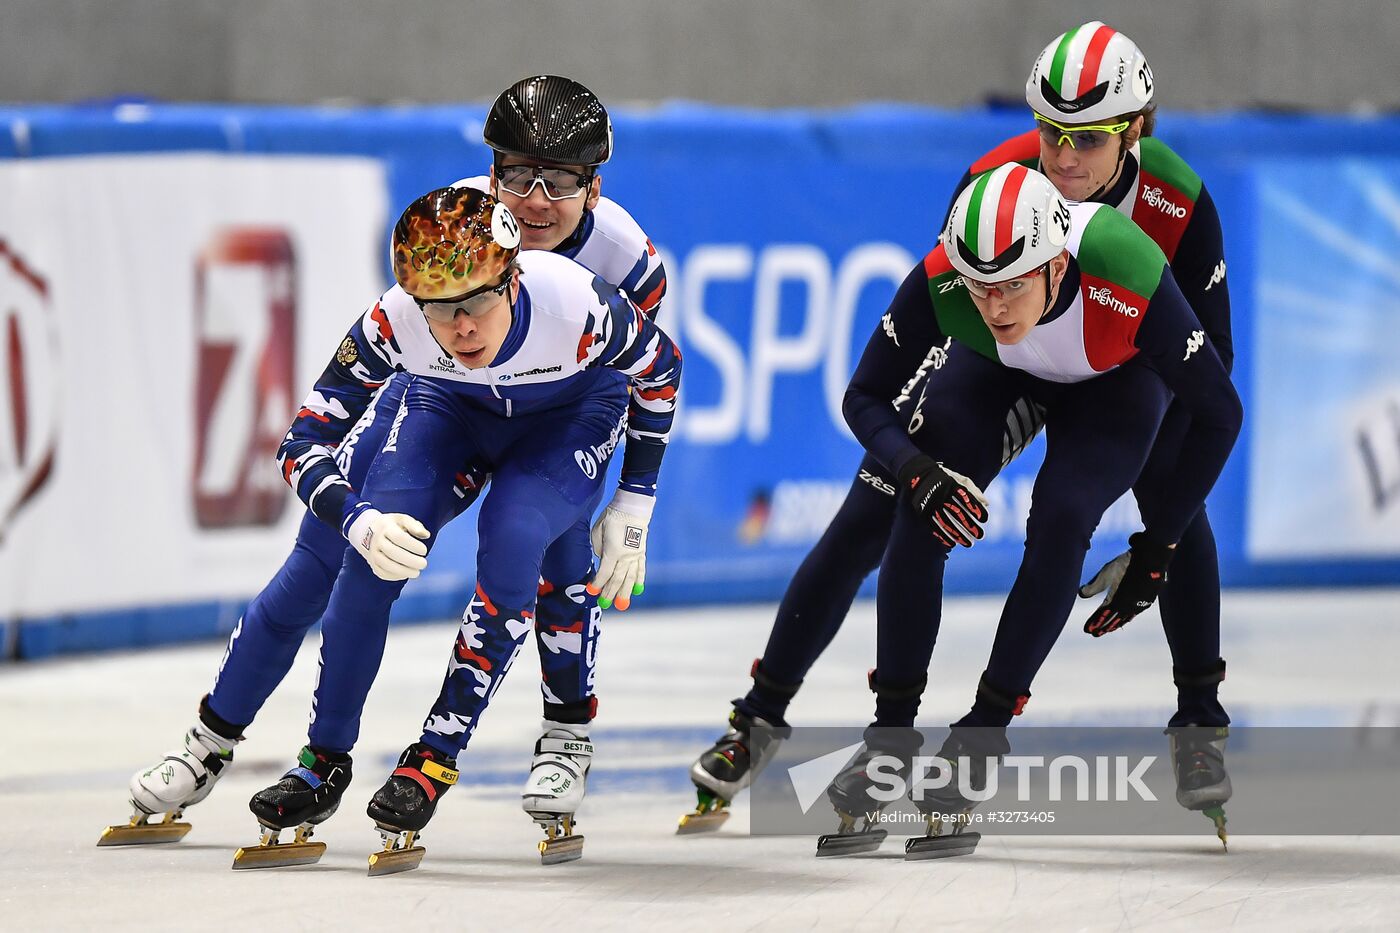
<point x="552" y="119"/>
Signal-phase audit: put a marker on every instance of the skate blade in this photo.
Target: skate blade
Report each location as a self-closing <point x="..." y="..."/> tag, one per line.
<point x="693" y="823"/>
<point x="836" y="844"/>
<point x="561" y="849"/>
<point x="393" y="861"/>
<point x="1216" y="815"/>
<point x="143" y="834"/>
<point x="922" y="848"/>
<point x="279" y="855"/>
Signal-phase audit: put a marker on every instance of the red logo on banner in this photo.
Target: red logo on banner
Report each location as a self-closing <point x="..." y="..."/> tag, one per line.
<point x="245" y="325"/>
<point x="29" y="408"/>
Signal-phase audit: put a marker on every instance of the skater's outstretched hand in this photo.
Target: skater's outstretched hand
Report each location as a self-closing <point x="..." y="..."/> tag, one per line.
<point x="1107" y="579"/>
<point x="951" y="503"/>
<point x="391" y="543"/>
<point x="1131" y="581"/>
<point x="620" y="540"/>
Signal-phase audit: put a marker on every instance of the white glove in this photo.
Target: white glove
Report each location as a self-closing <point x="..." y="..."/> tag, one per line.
<point x="389" y="543"/>
<point x="620" y="541"/>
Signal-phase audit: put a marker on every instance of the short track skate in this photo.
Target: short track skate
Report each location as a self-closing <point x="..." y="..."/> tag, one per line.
<point x="1217" y="816"/>
<point x="272" y="852"/>
<point x="710" y="813"/>
<point x="139" y="831"/>
<point x="404" y="805"/>
<point x="399" y="853"/>
<point x="305" y="797"/>
<point x="939" y="844"/>
<point x="850" y="839"/>
<point x="859" y="813"/>
<point x="180" y="780"/>
<point x="727" y="767"/>
<point x="561" y="843"/>
<point x="555" y="788"/>
<point x="1198" y="763"/>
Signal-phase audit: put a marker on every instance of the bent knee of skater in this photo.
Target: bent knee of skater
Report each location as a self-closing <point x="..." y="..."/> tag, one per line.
<point x="1062" y="524"/>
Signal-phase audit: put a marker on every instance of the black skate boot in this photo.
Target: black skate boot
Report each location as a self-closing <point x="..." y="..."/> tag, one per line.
<point x="305" y="797"/>
<point x="967" y="754"/>
<point x="1198" y="761"/>
<point x="727" y="767"/>
<point x="731" y="764"/>
<point x="404" y="805"/>
<point x="856" y="795"/>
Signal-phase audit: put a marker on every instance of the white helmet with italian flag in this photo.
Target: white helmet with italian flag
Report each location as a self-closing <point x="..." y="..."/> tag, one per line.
<point x="1091" y="74"/>
<point x="1006" y="223"/>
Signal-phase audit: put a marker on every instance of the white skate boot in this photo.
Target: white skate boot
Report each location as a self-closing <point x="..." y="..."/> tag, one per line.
<point x="555" y="788"/>
<point x="181" y="779"/>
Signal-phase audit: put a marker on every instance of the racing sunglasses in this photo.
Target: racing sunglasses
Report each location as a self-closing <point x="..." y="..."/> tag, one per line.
<point x="560" y="184"/>
<point x="474" y="305"/>
<point x="1078" y="137"/>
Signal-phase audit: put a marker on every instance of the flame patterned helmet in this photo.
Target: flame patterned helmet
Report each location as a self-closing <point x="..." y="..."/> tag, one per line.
<point x="552" y="119"/>
<point x="1005" y="224"/>
<point x="1091" y="74"/>
<point x="452" y="242"/>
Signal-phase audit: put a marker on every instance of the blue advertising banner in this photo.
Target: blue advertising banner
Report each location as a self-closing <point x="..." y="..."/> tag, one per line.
<point x="785" y="234"/>
<point x="1324" y="478"/>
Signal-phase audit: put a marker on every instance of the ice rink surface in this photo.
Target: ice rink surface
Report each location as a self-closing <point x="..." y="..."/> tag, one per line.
<point x="73" y="730"/>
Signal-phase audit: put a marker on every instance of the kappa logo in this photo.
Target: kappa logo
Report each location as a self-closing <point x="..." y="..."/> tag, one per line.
<point x="1216" y="277"/>
<point x="1155" y="197"/>
<point x="1105" y="296"/>
<point x="1194" y="343"/>
<point x="887" y="322"/>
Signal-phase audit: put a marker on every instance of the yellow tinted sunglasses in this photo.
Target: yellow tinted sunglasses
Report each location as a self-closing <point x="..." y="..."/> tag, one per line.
<point x="1078" y="137"/>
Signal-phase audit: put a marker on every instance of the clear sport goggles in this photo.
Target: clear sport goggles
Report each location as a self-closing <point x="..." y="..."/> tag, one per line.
<point x="1078" y="137"/>
<point x="474" y="305"/>
<point x="560" y="184"/>
<point x="1011" y="288"/>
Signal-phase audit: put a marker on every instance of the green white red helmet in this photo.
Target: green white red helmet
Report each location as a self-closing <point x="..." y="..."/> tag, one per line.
<point x="1006" y="223"/>
<point x="1091" y="74"/>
